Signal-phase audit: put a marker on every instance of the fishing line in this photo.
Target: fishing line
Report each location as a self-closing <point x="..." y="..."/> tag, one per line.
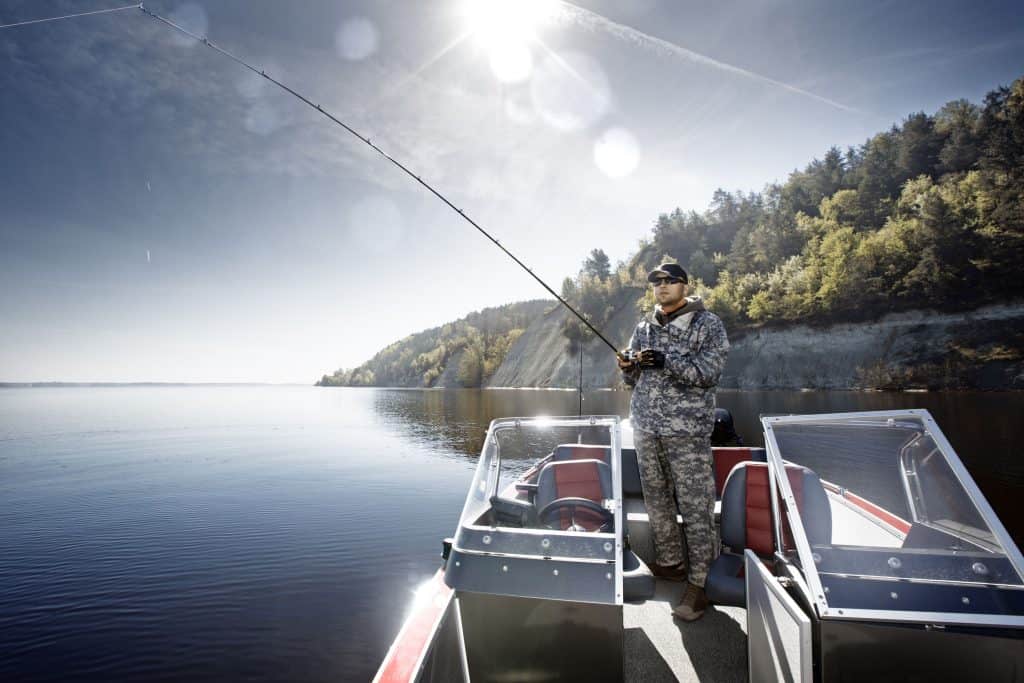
<point x="403" y="168"/>
<point x="72" y="16"/>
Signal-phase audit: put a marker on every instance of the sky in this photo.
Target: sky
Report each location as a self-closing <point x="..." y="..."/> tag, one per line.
<point x="167" y="215"/>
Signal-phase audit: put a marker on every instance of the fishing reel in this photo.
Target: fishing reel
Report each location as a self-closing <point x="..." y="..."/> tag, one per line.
<point x="645" y="358"/>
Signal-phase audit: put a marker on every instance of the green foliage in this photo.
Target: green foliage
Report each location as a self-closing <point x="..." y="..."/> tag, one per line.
<point x="958" y="123"/>
<point x="598" y="265"/>
<point x="477" y="344"/>
<point x="927" y="213"/>
<point x="592" y="293"/>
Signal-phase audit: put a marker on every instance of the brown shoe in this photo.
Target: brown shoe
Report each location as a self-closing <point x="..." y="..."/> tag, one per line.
<point x="693" y="604"/>
<point x="672" y="572"/>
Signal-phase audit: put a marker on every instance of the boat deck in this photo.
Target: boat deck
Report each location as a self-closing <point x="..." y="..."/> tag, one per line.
<point x="660" y="648"/>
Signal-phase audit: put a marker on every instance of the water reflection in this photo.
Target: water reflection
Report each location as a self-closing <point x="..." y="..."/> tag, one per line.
<point x="457" y="420"/>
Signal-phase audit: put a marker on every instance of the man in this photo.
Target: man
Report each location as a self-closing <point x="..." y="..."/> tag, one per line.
<point x="673" y="363"/>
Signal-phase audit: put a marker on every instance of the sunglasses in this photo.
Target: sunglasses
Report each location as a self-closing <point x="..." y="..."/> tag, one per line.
<point x="666" y="281"/>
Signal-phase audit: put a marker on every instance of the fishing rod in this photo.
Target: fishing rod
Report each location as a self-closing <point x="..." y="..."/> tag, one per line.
<point x="402" y="167"/>
<point x="205" y="41"/>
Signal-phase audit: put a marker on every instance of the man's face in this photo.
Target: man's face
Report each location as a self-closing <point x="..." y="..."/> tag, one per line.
<point x="669" y="292"/>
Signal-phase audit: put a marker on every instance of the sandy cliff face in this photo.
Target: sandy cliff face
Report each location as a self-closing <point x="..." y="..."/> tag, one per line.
<point x="540" y="357"/>
<point x="917" y="349"/>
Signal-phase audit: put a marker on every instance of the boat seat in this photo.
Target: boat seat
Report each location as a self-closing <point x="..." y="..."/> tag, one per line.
<point x="727" y="457"/>
<point x="588" y="479"/>
<point x="580" y="451"/>
<point x="747" y="523"/>
<point x="630" y="471"/>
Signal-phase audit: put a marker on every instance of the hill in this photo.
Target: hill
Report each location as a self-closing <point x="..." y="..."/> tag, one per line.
<point x="462" y="353"/>
<point x="923" y="220"/>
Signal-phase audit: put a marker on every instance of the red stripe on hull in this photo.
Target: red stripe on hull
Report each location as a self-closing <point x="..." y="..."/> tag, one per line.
<point x="401" y="664"/>
<point x="882" y="514"/>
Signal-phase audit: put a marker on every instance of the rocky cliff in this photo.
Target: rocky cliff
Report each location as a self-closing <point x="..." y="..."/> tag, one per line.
<point x="982" y="349"/>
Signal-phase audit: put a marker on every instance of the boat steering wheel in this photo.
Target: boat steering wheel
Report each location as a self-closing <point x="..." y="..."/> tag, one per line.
<point x="574" y="503"/>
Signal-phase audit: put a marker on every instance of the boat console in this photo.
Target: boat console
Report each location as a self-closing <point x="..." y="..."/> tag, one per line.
<point x="539" y="551"/>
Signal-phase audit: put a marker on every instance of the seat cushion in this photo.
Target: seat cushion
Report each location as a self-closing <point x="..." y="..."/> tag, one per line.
<point x="725" y="583"/>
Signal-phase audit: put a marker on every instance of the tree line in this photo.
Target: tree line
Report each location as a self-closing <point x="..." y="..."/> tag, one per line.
<point x="929" y="213"/>
<point x="473" y="346"/>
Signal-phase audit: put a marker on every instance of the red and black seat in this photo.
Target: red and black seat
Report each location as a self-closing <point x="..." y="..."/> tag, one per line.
<point x="573" y="491"/>
<point x="580" y="451"/>
<point x="747" y="523"/>
<point x="727" y="457"/>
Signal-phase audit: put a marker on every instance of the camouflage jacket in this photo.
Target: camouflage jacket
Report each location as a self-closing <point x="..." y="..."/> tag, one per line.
<point x="678" y="399"/>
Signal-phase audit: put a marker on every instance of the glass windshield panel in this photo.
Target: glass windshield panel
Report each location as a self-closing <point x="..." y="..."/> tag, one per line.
<point x="897" y="510"/>
<point x="525" y="498"/>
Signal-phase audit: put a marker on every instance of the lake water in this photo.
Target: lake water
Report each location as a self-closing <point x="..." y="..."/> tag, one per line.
<point x="277" y="533"/>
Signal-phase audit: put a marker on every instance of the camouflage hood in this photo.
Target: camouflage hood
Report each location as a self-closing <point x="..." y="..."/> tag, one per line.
<point x="692" y="305"/>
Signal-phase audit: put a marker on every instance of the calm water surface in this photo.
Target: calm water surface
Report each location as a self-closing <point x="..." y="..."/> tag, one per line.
<point x="277" y="533"/>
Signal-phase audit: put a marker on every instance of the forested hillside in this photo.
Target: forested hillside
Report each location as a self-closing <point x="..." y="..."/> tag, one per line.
<point x="471" y="349"/>
<point x="929" y="214"/>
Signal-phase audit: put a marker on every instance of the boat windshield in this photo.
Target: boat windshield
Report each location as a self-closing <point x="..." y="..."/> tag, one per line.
<point x="545" y="487"/>
<point x="898" y="512"/>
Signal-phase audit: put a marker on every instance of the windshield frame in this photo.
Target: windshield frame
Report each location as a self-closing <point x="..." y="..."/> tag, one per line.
<point x="803" y="548"/>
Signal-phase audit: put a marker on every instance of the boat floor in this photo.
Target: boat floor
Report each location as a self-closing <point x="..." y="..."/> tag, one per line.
<point x="659" y="647"/>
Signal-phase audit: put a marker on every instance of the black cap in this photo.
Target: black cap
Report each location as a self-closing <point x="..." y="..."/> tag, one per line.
<point x="668" y="270"/>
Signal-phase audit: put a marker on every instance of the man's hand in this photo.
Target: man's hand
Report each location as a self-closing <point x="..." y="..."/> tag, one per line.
<point x="651" y="358"/>
<point x="625" y="358"/>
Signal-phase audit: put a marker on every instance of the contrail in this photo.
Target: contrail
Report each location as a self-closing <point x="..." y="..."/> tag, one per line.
<point x="629" y="34"/>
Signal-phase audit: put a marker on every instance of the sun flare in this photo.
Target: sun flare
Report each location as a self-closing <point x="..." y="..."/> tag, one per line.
<point x="501" y="21"/>
<point x="505" y="29"/>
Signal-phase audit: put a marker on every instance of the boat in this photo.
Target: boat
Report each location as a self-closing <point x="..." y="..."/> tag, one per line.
<point x="854" y="546"/>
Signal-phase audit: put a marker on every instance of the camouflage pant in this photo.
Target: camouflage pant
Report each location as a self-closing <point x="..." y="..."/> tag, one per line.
<point x="679" y="468"/>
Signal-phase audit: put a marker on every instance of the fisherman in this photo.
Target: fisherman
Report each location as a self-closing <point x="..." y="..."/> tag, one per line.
<point x="673" y="363"/>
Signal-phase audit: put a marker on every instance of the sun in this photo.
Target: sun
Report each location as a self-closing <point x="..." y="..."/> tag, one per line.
<point x="505" y="29"/>
<point x="503" y="21"/>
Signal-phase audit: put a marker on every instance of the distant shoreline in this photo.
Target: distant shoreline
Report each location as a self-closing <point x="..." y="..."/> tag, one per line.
<point x="61" y="385"/>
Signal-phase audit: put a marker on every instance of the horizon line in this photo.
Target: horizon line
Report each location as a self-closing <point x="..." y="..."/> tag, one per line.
<point x="62" y="383"/>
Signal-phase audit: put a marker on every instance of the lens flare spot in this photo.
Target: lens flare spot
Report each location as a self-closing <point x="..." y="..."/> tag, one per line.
<point x="356" y="39"/>
<point x="191" y="17"/>
<point x="570" y="91"/>
<point x="263" y="118"/>
<point x="519" y="109"/>
<point x="511" y="61"/>
<point x="616" y="153"/>
<point x="251" y="85"/>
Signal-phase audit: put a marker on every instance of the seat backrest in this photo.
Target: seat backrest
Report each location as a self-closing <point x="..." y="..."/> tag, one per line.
<point x="747" y="515"/>
<point x="591" y="479"/>
<point x="579" y="451"/>
<point x="727" y="457"/>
